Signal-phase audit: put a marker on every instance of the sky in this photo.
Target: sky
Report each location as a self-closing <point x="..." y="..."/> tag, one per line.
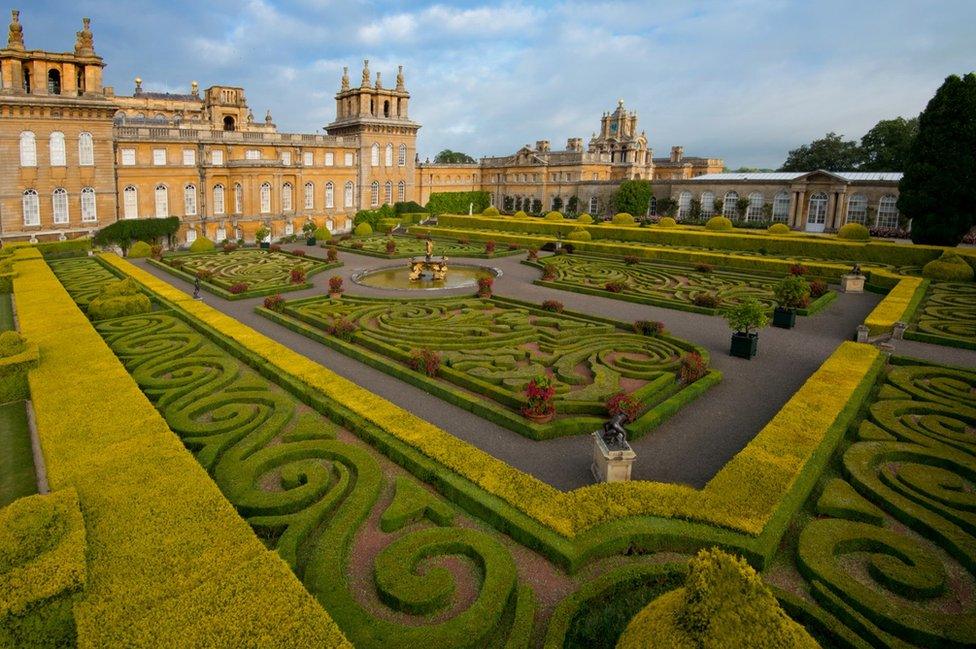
<point x="743" y="80"/>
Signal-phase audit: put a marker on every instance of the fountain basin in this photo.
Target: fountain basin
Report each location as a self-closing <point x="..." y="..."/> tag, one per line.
<point x="397" y="278"/>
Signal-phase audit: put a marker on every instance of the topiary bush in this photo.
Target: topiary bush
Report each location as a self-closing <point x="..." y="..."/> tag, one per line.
<point x="202" y="244"/>
<point x="950" y="267"/>
<point x="115" y="306"/>
<point x="719" y="224"/>
<point x="584" y="218"/>
<point x="579" y="234"/>
<point x="667" y="222"/>
<point x="521" y="215"/>
<point x="363" y="230"/>
<point x="140" y="249"/>
<point x="323" y="234"/>
<point x="779" y="228"/>
<point x="491" y="211"/>
<point x="623" y="218"/>
<point x="853" y="232"/>
<point x="554" y="216"/>
<point x="11" y="344"/>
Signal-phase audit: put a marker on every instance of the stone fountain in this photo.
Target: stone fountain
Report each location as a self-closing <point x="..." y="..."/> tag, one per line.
<point x="428" y="267"/>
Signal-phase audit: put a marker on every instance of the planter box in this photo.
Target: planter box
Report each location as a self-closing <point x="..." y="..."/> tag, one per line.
<point x="852" y="283"/>
<point x="784" y="318"/>
<point x="310" y="241"/>
<point x="611" y="465"/>
<point x="744" y="345"/>
<point x="265" y="245"/>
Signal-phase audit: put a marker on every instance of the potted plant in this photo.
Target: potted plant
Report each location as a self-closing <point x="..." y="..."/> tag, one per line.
<point x="335" y="287"/>
<point x="263" y="233"/>
<point x="791" y="293"/>
<point x="745" y="319"/>
<point x="309" y="231"/>
<point x="539" y="393"/>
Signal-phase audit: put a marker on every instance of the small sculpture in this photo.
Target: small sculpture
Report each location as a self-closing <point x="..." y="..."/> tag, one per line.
<point x="614" y="433"/>
<point x="856" y="270"/>
<point x="430" y="248"/>
<point x="196" y="288"/>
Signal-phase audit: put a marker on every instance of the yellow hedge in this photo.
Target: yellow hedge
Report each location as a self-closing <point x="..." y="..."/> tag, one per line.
<point x="159" y="531"/>
<point x="896" y="306"/>
<point x="742" y="496"/>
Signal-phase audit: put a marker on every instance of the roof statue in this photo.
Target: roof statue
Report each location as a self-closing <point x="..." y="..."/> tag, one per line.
<point x="85" y="43"/>
<point x="345" y="78"/>
<point x="15" y="35"/>
<point x="399" y="79"/>
<point x="365" y="81"/>
<point x="379" y="83"/>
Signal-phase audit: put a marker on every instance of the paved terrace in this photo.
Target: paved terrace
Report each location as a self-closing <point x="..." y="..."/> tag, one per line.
<point x="689" y="448"/>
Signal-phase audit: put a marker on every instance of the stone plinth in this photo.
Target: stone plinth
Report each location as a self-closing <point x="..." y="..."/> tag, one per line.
<point x="852" y="283"/>
<point x="611" y="465"/>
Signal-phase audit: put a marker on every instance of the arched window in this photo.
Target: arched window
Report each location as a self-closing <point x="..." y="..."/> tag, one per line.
<point x="218" y="199"/>
<point x="402" y="155"/>
<point x="755" y="209"/>
<point x="162" y="202"/>
<point x="386" y="108"/>
<point x="27" y="78"/>
<point x="56" y="146"/>
<point x="54" y="82"/>
<point x="88" y="205"/>
<point x="593" y="205"/>
<point x="190" y="200"/>
<point x="781" y="206"/>
<point x="707" y="204"/>
<point x="238" y="198"/>
<point x="887" y="212"/>
<point x="857" y="209"/>
<point x="59" y="201"/>
<point x="229" y="123"/>
<point x="32" y="208"/>
<point x="374" y="194"/>
<point x="401" y="191"/>
<point x="349" y="194"/>
<point x="684" y="204"/>
<point x="374" y="155"/>
<point x="265" y="198"/>
<point x="389" y="155"/>
<point x="652" y="206"/>
<point x="86" y="150"/>
<point x="388" y="193"/>
<point x="28" y="149"/>
<point x="286" y="197"/>
<point x="130" y="202"/>
<point x="329" y="195"/>
<point x="729" y="208"/>
<point x="309" y="196"/>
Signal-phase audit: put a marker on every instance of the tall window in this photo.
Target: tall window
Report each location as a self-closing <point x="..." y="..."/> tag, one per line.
<point x="218" y="199"/>
<point x="217" y="158"/>
<point x="238" y="198"/>
<point x="28" y="150"/>
<point x="887" y="212"/>
<point x="56" y="145"/>
<point x="729" y="208"/>
<point x="308" y="158"/>
<point x="329" y="195"/>
<point x="593" y="205"/>
<point x="329" y="159"/>
<point x="88" y="205"/>
<point x="54" y="82"/>
<point x="857" y="209"/>
<point x="86" y="150"/>
<point x="754" y="211"/>
<point x="684" y="204"/>
<point x="817" y="210"/>
<point x="59" y="201"/>
<point x="309" y="196"/>
<point x="652" y="206"/>
<point x="128" y="157"/>
<point x="265" y="198"/>
<point x="388" y="193"/>
<point x="32" y="208"/>
<point x="348" y="194"/>
<point x="162" y="202"/>
<point x="189" y="157"/>
<point x="781" y="206"/>
<point x="159" y="157"/>
<point x="286" y="157"/>
<point x="374" y="194"/>
<point x="286" y="197"/>
<point x="252" y="154"/>
<point x="707" y="204"/>
<point x="130" y="202"/>
<point x="190" y="200"/>
<point x="349" y="159"/>
<point x="389" y="155"/>
<point x="374" y="155"/>
<point x="402" y="191"/>
<point x="402" y="155"/>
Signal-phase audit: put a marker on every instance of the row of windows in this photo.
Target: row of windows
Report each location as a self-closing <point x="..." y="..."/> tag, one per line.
<point x="160" y="157"/>
<point x="374" y="157"/>
<point x="857" y="207"/>
<point x="59" y="206"/>
<point x="374" y="193"/>
<point x="56" y="149"/>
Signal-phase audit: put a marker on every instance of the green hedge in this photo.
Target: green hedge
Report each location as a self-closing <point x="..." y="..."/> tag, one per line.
<point x="124" y="231"/>
<point x="458" y="202"/>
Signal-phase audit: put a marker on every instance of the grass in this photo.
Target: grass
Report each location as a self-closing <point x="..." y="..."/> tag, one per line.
<point x="17" y="477"/>
<point x="6" y="313"/>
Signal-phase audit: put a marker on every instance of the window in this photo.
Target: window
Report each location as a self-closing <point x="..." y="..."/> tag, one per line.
<point x="402" y="155"/>
<point x="32" y="208"/>
<point x="857" y="209"/>
<point x="593" y="205"/>
<point x="86" y="150"/>
<point x="887" y="212"/>
<point x="191" y="236"/>
<point x="388" y="193"/>
<point x="308" y="158"/>
<point x="329" y="195"/>
<point x="402" y="191"/>
<point x="265" y="198"/>
<point x="130" y="202"/>
<point x="189" y="157"/>
<point x="374" y="194"/>
<point x="159" y="156"/>
<point x="190" y="200"/>
<point x="56" y="145"/>
<point x="348" y="194"/>
<point x="286" y="157"/>
<point x="252" y="154"/>
<point x="349" y="159"/>
<point x="286" y="197"/>
<point x="54" y="82"/>
<point x="754" y="211"/>
<point x="162" y="202"/>
<point x="289" y="229"/>
<point x="652" y="206"/>
<point x="221" y="235"/>
<point x="707" y="204"/>
<point x="817" y="211"/>
<point x="218" y="199"/>
<point x="389" y="155"/>
<point x="309" y="196"/>
<point x="28" y="150"/>
<point x="238" y="198"/>
<point x="729" y="208"/>
<point x="374" y="155"/>
<point x="217" y="158"/>
<point x="59" y="201"/>
<point x="781" y="206"/>
<point x="128" y="157"/>
<point x="684" y="204"/>
<point x="88" y="205"/>
<point x="330" y="159"/>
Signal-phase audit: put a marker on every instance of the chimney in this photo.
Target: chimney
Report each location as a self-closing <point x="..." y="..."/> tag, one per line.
<point x="542" y="146"/>
<point x="574" y="144"/>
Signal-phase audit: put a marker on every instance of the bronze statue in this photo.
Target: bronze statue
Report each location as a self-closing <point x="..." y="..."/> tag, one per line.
<point x="856" y="270"/>
<point x="614" y="433"/>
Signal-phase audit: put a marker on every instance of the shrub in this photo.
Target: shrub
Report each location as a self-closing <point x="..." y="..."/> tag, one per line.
<point x="274" y="248"/>
<point x="630" y="260"/>
<point x="692" y="368"/>
<point x="390" y="246"/>
<point x="116" y="306"/>
<point x="649" y="327"/>
<point x="622" y="218"/>
<point x="798" y="269"/>
<point x="520" y="215"/>
<point x="356" y="245"/>
<point x="853" y="232"/>
<point x="274" y="302"/>
<point x="491" y="211"/>
<point x="746" y="316"/>
<point x="779" y="228"/>
<point x="624" y="403"/>
<point x="341" y="328"/>
<point x="667" y="222"/>
<point x="553" y="306"/>
<point x="532" y="253"/>
<point x="323" y="234"/>
<point x="549" y="272"/>
<point x="363" y="230"/>
<point x="792" y="292"/>
<point x="464" y="241"/>
<point x="489" y="247"/>
<point x="818" y="288"/>
<point x="238" y="287"/>
<point x="539" y="393"/>
<point x="554" y="216"/>
<point x="297" y="275"/>
<point x="584" y="218"/>
<point x="335" y="284"/>
<point x="229" y="246"/>
<point x="204" y="274"/>
<point x="615" y="286"/>
<point x="458" y="202"/>
<point x="425" y="361"/>
<point x="513" y="246"/>
<point x="949" y="267"/>
<point x="707" y="300"/>
<point x="11" y="344"/>
<point x="298" y="253"/>
<point x="139" y="249"/>
<point x="484" y="286"/>
<point x="331" y="254"/>
<point x="704" y="268"/>
<point x="718" y="223"/>
<point x="202" y="244"/>
<point x="579" y="234"/>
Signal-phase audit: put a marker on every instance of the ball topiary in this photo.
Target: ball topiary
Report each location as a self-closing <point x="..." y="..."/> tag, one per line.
<point x="490" y="211"/>
<point x="323" y="234"/>
<point x="779" y="228"/>
<point x="950" y="268"/>
<point x="623" y="218"/>
<point x="584" y="218"/>
<point x="667" y="222"/>
<point x="521" y="215"/>
<point x="363" y="230"/>
<point x="719" y="223"/>
<point x="579" y="234"/>
<point x="202" y="244"/>
<point x="554" y="216"/>
<point x="139" y="249"/>
<point x="11" y="344"/>
<point x="854" y="232"/>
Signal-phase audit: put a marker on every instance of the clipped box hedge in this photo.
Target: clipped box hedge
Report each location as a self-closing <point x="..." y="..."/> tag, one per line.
<point x="899" y="305"/>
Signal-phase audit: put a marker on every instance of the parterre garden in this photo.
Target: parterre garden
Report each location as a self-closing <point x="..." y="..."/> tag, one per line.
<point x="379" y="246"/>
<point x="947" y="315"/>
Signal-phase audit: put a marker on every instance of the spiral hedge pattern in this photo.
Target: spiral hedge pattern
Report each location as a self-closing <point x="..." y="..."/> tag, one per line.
<point x="83" y="278"/>
<point x="910" y="572"/>
<point x="257" y="268"/>
<point x="413" y="247"/>
<point x="949" y="310"/>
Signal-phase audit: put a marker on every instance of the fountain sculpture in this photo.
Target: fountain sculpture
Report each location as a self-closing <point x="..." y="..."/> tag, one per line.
<point x="434" y="268"/>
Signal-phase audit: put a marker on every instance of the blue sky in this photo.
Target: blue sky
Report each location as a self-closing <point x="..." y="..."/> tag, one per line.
<point x="745" y="80"/>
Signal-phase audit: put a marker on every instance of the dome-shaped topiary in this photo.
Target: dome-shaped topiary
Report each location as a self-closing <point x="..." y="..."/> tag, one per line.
<point x="521" y="215"/>
<point x="779" y="228"/>
<point x="363" y="230"/>
<point x="950" y="268"/>
<point x="623" y="218"/>
<point x="554" y="216"/>
<point x="854" y="232"/>
<point x="667" y="222"/>
<point x="140" y="249"/>
<point x="584" y="218"/>
<point x="202" y="244"/>
<point x="579" y="234"/>
<point x="323" y="234"/>
<point x="719" y="223"/>
<point x="490" y="211"/>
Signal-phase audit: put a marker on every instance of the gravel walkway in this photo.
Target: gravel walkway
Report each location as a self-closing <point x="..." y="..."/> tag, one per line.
<point x="689" y="448"/>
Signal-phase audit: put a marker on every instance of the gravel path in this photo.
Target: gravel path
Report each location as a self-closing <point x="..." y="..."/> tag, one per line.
<point x="689" y="448"/>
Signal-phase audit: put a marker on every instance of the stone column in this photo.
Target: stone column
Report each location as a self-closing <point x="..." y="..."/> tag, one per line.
<point x="800" y="200"/>
<point x="840" y="210"/>
<point x="831" y="207"/>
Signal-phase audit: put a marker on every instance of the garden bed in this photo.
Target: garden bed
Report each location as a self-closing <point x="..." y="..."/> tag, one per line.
<point x="946" y="315"/>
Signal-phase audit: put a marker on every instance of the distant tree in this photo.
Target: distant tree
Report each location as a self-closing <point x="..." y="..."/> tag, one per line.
<point x="557" y="203"/>
<point x="633" y="197"/>
<point x="936" y="190"/>
<point x="453" y="157"/>
<point x="831" y="152"/>
<point x="572" y="205"/>
<point x="536" y="206"/>
<point x="885" y="147"/>
<point x="508" y="203"/>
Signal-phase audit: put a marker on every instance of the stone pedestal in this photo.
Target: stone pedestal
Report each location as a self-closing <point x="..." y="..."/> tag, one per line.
<point x="611" y="465"/>
<point x="898" y="333"/>
<point x="852" y="283"/>
<point x="862" y="333"/>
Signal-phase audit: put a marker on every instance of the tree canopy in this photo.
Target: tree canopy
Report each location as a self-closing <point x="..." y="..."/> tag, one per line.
<point x="633" y="197"/>
<point x="831" y="153"/>
<point x="453" y="157"/>
<point x="885" y="147"/>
